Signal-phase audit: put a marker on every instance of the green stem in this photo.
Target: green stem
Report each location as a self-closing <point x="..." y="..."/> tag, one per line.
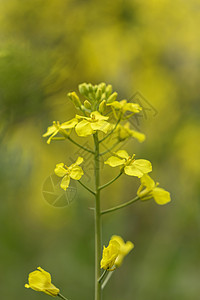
<point x="105" y="137"/>
<point x="97" y="221"/>
<point x="120" y="206"/>
<point x="110" y="182"/>
<point x="61" y="296"/>
<point x="106" y="280"/>
<point x="87" y="188"/>
<point x="102" y="276"/>
<point x="80" y="146"/>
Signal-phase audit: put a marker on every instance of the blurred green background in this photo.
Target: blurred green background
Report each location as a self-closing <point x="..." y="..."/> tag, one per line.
<point x="47" y="48"/>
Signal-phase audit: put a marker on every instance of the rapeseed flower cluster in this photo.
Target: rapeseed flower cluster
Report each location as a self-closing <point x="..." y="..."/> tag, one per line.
<point x="97" y="110"/>
<point x="98" y="107"/>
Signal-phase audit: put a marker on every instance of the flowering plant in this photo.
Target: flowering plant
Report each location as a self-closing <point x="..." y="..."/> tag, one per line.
<point x="95" y="119"/>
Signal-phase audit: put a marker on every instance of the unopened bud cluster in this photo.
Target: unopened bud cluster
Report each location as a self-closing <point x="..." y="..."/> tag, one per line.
<point x="96" y="97"/>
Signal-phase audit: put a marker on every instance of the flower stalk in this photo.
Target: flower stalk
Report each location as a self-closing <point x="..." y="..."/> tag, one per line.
<point x="110" y="182"/>
<point x="120" y="206"/>
<point x="62" y="297"/>
<point x="97" y="220"/>
<point x="87" y="188"/>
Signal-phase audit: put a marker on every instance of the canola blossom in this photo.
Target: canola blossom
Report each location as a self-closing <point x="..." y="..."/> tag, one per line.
<point x="40" y="281"/>
<point x="59" y="128"/>
<point x="89" y="125"/>
<point x="74" y="171"/>
<point x="131" y="166"/>
<point x="109" y="255"/>
<point x="149" y="189"/>
<point x="123" y="106"/>
<point x="123" y="132"/>
<point x="124" y="249"/>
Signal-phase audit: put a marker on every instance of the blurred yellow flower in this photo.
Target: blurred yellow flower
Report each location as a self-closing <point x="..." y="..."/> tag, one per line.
<point x="122" y="107"/>
<point x="74" y="171"/>
<point x="131" y="166"/>
<point x="90" y="125"/>
<point x="148" y="189"/>
<point x="124" y="249"/>
<point x="40" y="281"/>
<point x="124" y="132"/>
<point x="61" y="128"/>
<point x="109" y="255"/>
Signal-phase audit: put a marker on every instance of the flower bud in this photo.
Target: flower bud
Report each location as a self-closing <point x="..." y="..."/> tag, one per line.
<point x="75" y="99"/>
<point x="102" y="106"/>
<point x="102" y="86"/>
<point x="95" y="87"/>
<point x="98" y="93"/>
<point x="112" y="97"/>
<point x="108" y="90"/>
<point x="90" y="88"/>
<point x="87" y="104"/>
<point x="83" y="88"/>
<point x="103" y="96"/>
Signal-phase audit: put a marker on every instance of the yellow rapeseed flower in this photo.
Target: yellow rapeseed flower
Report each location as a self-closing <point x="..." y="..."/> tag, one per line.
<point x="40" y="281"/>
<point x="59" y="128"/>
<point x="109" y="255"/>
<point x="89" y="125"/>
<point x="131" y="166"/>
<point x="124" y="132"/>
<point x="148" y="189"/>
<point x="124" y="249"/>
<point x="74" y="171"/>
<point x="121" y="107"/>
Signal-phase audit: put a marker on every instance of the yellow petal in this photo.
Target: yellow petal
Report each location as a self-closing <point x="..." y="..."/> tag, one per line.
<point x="60" y="170"/>
<point x="125" y="248"/>
<point x="79" y="161"/>
<point x="115" y="104"/>
<point x="37" y="281"/>
<point x="143" y="165"/>
<point x="133" y="171"/>
<point x="97" y="116"/>
<point x="161" y="196"/>
<point x="109" y="255"/>
<point x="50" y="138"/>
<point x="40" y="281"/>
<point x="133" y="107"/>
<point x="76" y="173"/>
<point x="46" y="274"/>
<point x="69" y="124"/>
<point x="122" y="154"/>
<point x="65" y="182"/>
<point x="84" y="128"/>
<point x="147" y="181"/>
<point x="50" y="130"/>
<point x="138" y="135"/>
<point x="114" y="161"/>
<point x="100" y="125"/>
